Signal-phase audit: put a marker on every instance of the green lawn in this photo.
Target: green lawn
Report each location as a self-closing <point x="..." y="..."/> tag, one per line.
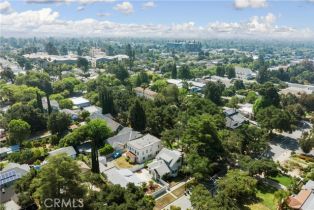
<point x="282" y="179"/>
<point x="266" y="195"/>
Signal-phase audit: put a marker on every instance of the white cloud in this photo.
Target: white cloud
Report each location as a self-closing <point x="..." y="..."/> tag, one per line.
<point x="124" y="7"/>
<point x="148" y="5"/>
<point x="93" y="1"/>
<point x="5" y="7"/>
<point x="84" y="2"/>
<point x="48" y="1"/>
<point x="80" y="8"/>
<point x="46" y="22"/>
<point x="103" y="14"/>
<point x="242" y="4"/>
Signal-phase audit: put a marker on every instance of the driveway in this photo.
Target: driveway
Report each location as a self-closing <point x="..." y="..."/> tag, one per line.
<point x="183" y="202"/>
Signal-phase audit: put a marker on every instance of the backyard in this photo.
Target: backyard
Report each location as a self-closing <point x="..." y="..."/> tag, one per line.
<point x="121" y="162"/>
<point x="164" y="201"/>
<point x="283" y="179"/>
<point x="267" y="201"/>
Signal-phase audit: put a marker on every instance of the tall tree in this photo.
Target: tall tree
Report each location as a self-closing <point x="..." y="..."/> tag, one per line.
<point x="39" y="102"/>
<point x="230" y="71"/>
<point x="58" y="179"/>
<point x="19" y="130"/>
<point x="184" y="72"/>
<point x="174" y="72"/>
<point x="51" y="49"/>
<point x="98" y="132"/>
<point x="220" y="70"/>
<point x="106" y="100"/>
<point x="7" y="74"/>
<point x="58" y="122"/>
<point x="213" y="91"/>
<point x="131" y="53"/>
<point x="137" y="117"/>
<point x="83" y="64"/>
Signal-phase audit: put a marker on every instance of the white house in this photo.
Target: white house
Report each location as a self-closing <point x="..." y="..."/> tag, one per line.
<point x="167" y="162"/>
<point x="143" y="148"/>
<point x="80" y="102"/>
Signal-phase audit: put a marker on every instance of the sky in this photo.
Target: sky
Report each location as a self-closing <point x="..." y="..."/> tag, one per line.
<point x="265" y="19"/>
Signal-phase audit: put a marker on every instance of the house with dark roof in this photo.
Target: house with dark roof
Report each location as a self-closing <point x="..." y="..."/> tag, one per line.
<point x="167" y="162"/>
<point x="234" y="118"/>
<point x="119" y="141"/>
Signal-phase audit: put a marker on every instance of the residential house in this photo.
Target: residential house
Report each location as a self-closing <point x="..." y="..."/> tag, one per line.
<point x="119" y="141"/>
<point x="143" y="149"/>
<point x="167" y="162"/>
<point x="8" y="176"/>
<point x="80" y="102"/>
<point x="304" y="200"/>
<point x="70" y="151"/>
<point x="244" y="73"/>
<point x="74" y="115"/>
<point x="234" y="118"/>
<point x="123" y="177"/>
<point x="145" y="92"/>
<point x="111" y="123"/>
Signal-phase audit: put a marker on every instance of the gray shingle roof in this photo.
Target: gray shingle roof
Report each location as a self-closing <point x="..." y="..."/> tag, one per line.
<point x="124" y="136"/>
<point x="113" y="125"/>
<point x="160" y="167"/>
<point x="143" y="141"/>
<point x="67" y="150"/>
<point x="169" y="156"/>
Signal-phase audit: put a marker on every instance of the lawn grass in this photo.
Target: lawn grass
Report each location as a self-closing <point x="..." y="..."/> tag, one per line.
<point x="179" y="191"/>
<point x="267" y="200"/>
<point x="164" y="201"/>
<point x="122" y="163"/>
<point x="283" y="179"/>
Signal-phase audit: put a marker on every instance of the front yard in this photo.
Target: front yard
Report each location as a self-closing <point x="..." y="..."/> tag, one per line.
<point x="121" y="162"/>
<point x="164" y="201"/>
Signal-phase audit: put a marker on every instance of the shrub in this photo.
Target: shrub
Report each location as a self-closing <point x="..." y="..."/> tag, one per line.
<point x="106" y="150"/>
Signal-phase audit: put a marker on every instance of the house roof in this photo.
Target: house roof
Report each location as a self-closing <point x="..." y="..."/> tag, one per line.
<point x="12" y="172"/>
<point x="160" y="167"/>
<point x="92" y="109"/>
<point x="79" y="100"/>
<point x="143" y="141"/>
<point x="169" y="156"/>
<point x="309" y="185"/>
<point x="298" y="200"/>
<point x="123" y="137"/>
<point x="67" y="150"/>
<point x="122" y="177"/>
<point x="234" y="118"/>
<point x="113" y="125"/>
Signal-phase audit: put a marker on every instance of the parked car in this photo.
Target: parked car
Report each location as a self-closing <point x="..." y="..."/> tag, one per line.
<point x="116" y="154"/>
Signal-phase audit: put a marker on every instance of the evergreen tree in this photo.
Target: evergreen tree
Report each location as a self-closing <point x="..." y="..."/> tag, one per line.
<point x="48" y="104"/>
<point x="39" y="102"/>
<point x="137" y="117"/>
<point x="106" y="101"/>
<point x="174" y="71"/>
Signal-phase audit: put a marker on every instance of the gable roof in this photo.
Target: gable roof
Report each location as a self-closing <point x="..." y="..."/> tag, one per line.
<point x="124" y="136"/>
<point x="160" y="167"/>
<point x="169" y="156"/>
<point x="113" y="125"/>
<point x="298" y="200"/>
<point x="234" y="118"/>
<point x="143" y="141"/>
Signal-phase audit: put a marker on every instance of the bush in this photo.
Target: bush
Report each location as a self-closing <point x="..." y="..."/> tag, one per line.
<point x="65" y="104"/>
<point x="106" y="150"/>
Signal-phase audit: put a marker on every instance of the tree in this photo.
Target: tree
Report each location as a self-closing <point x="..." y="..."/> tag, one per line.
<point x="220" y="70"/>
<point x="213" y="91"/>
<point x="83" y="64"/>
<point x="307" y="141"/>
<point x="262" y="75"/>
<point x="51" y="49"/>
<point x="238" y="84"/>
<point x="28" y="114"/>
<point x="237" y="185"/>
<point x="39" y="102"/>
<point x="19" y="130"/>
<point x="202" y="199"/>
<point x="230" y="71"/>
<point x="79" y="51"/>
<point x="174" y="72"/>
<point x="63" y="50"/>
<point x="137" y="116"/>
<point x="106" y="101"/>
<point x="58" y="179"/>
<point x="106" y="150"/>
<point x="184" y="72"/>
<point x="58" y="122"/>
<point x="131" y="53"/>
<point x="98" y="132"/>
<point x="7" y="74"/>
<point x="121" y="72"/>
<point x="274" y="118"/>
<point x="65" y="103"/>
<point x="281" y="197"/>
